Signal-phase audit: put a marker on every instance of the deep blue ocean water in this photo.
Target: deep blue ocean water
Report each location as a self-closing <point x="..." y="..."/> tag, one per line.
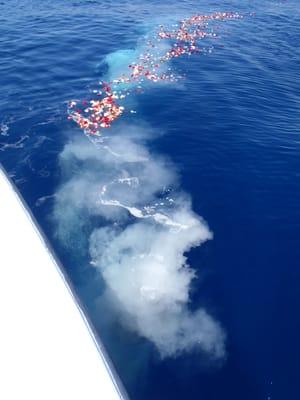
<point x="232" y="132"/>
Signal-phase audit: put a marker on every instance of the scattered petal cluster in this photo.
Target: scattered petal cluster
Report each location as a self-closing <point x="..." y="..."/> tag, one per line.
<point x="183" y="40"/>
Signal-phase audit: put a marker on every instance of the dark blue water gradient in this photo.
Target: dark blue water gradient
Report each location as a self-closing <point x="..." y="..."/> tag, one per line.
<point x="233" y="132"/>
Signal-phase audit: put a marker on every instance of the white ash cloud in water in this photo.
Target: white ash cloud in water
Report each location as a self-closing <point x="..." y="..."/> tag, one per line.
<point x="141" y="237"/>
<point x="123" y="206"/>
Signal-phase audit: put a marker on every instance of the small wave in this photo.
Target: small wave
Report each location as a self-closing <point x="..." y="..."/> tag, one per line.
<point x="4" y="128"/>
<point x="41" y="200"/>
<point x="17" y="145"/>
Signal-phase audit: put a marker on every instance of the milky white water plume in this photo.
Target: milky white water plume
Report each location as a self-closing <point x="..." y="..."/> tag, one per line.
<point x="140" y="239"/>
<point x="123" y="206"/>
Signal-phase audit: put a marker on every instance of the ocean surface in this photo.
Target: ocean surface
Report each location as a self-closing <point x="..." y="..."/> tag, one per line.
<point x="206" y="308"/>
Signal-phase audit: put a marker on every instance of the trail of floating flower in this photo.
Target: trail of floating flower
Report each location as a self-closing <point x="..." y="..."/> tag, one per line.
<point x="97" y="114"/>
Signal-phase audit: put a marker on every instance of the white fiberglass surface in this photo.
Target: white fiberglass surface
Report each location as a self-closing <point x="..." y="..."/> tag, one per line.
<point x="47" y="350"/>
